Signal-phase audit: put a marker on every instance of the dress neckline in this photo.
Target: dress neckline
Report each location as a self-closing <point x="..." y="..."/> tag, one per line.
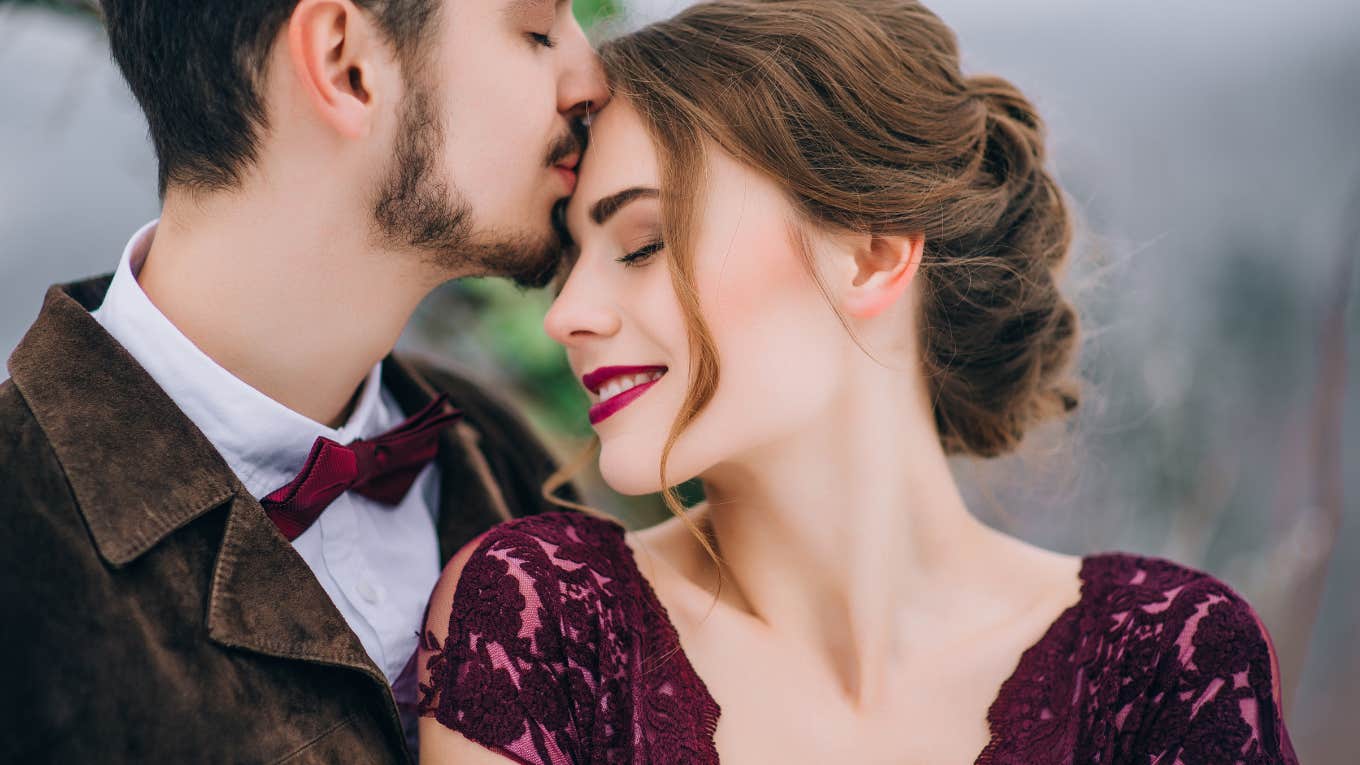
<point x="1035" y="660"/>
<point x="709" y="710"/>
<point x="1030" y="664"/>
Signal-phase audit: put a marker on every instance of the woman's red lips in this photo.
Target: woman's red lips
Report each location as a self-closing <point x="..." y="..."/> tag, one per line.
<point x="594" y="380"/>
<point x="600" y="377"/>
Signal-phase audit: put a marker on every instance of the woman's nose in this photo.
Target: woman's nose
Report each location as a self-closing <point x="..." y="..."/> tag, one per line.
<point x="576" y="315"/>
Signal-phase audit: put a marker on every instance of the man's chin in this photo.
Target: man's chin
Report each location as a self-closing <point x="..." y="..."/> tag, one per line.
<point x="529" y="259"/>
<point x="538" y="276"/>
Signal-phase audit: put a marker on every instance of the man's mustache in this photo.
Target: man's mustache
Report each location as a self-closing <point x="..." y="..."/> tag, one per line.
<point x="573" y="142"/>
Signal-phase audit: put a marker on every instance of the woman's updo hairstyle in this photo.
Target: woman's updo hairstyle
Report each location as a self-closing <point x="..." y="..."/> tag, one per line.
<point x="858" y="110"/>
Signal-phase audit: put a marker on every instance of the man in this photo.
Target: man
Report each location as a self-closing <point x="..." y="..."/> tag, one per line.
<point x="223" y="501"/>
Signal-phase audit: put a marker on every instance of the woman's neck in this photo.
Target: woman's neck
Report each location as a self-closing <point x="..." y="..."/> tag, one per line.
<point x="830" y="537"/>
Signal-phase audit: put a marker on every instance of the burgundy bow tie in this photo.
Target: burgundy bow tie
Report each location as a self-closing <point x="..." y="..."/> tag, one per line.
<point x="380" y="468"/>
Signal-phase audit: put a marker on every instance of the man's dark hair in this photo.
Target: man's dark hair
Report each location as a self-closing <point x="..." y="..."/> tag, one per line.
<point x="197" y="69"/>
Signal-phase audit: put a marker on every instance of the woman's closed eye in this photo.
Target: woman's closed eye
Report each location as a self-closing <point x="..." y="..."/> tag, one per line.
<point x="641" y="255"/>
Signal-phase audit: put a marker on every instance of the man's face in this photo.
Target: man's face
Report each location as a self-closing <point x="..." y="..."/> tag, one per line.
<point x="489" y="138"/>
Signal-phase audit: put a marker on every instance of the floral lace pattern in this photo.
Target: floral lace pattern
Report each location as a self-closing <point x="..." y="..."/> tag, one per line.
<point x="558" y="652"/>
<point x="1157" y="663"/>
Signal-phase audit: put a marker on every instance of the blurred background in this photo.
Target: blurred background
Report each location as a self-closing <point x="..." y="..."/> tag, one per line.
<point x="1211" y="151"/>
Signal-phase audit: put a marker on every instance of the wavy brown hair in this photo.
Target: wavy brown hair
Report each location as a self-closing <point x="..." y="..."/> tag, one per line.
<point x="858" y="111"/>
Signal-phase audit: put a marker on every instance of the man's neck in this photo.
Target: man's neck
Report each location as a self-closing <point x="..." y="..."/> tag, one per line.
<point x="291" y="299"/>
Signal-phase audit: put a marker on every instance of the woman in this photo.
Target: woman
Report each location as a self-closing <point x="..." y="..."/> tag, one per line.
<point x="811" y="260"/>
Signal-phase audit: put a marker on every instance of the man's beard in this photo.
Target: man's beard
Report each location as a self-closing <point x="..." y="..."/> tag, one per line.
<point x="418" y="209"/>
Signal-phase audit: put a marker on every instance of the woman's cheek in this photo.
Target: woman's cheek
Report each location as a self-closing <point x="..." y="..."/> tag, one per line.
<point x="661" y="318"/>
<point x="631" y="454"/>
<point x="769" y="320"/>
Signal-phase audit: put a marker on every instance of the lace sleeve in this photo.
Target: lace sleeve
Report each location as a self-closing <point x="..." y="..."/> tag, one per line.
<point x="1222" y="701"/>
<point x="491" y="657"/>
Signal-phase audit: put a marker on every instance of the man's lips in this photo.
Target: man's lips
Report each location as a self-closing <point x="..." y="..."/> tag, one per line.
<point x="568" y="176"/>
<point x="566" y="169"/>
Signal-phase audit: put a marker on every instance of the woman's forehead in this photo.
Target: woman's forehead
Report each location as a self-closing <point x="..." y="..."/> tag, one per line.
<point x="620" y="156"/>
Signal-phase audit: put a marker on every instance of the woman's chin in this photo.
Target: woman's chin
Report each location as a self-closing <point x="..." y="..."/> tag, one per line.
<point x="632" y="486"/>
<point x="628" y="475"/>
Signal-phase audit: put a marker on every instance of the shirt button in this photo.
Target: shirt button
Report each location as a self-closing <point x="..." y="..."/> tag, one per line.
<point x="367" y="592"/>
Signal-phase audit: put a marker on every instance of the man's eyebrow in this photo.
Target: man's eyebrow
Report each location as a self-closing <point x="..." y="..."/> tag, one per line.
<point x="521" y="7"/>
<point x="604" y="209"/>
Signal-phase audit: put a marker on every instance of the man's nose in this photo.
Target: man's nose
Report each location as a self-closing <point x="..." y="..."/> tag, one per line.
<point x="582" y="88"/>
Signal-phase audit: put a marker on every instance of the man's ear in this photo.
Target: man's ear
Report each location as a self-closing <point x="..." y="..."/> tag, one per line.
<point x="884" y="267"/>
<point x="335" y="54"/>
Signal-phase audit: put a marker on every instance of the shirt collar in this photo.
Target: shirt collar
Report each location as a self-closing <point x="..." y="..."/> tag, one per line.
<point x="263" y="442"/>
<point x="138" y="469"/>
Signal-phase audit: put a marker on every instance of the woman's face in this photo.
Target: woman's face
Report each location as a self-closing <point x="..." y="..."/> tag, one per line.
<point x="781" y="347"/>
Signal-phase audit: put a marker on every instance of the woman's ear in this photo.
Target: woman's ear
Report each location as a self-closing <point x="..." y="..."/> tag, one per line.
<point x="884" y="267"/>
<point x="335" y="54"/>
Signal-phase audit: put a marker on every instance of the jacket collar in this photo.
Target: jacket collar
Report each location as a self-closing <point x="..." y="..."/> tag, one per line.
<point x="140" y="469"/>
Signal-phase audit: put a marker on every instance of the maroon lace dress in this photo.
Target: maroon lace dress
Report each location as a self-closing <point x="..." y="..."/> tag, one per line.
<point x="558" y="651"/>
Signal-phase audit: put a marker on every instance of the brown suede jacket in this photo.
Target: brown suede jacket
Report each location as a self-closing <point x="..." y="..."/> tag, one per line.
<point x="151" y="611"/>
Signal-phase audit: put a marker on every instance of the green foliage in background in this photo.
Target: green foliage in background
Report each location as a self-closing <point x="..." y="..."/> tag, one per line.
<point x="508" y="323"/>
<point x="592" y="12"/>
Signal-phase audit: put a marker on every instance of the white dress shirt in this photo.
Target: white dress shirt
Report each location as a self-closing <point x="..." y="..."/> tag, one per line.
<point x="377" y="563"/>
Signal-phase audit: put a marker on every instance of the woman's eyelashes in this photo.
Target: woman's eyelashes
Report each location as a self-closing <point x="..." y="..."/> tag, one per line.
<point x="642" y="254"/>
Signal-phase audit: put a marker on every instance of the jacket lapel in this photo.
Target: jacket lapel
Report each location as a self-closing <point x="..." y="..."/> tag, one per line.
<point x="140" y="469"/>
<point x="265" y="599"/>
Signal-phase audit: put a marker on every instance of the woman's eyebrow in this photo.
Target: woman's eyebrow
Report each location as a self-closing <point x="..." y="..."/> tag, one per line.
<point x="604" y="209"/>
